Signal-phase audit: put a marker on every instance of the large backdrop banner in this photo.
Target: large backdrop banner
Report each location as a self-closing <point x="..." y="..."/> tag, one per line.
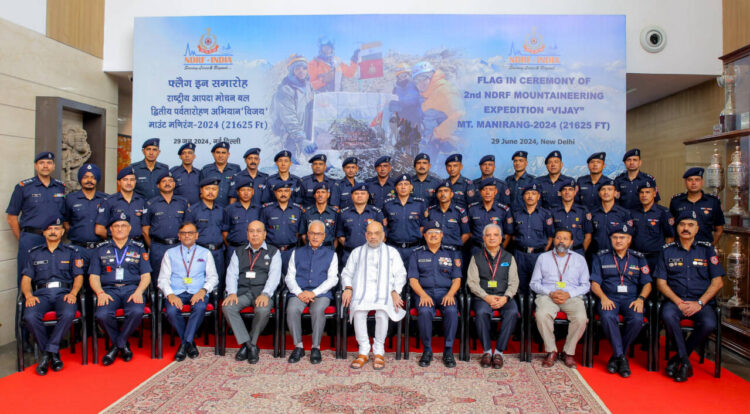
<point x="372" y="85"/>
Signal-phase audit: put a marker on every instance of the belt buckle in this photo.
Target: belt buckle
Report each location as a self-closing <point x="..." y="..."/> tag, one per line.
<point x="529" y="250"/>
<point x="403" y="245"/>
<point x="52" y="285"/>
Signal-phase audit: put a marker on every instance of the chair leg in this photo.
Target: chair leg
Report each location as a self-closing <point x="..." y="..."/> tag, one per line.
<point x="84" y="343"/>
<point x="398" y="340"/>
<point x="702" y="351"/>
<point x="717" y="356"/>
<point x="217" y="345"/>
<point x="406" y="337"/>
<point x="73" y="338"/>
<point x="19" y="345"/>
<point x="159" y="339"/>
<point x="94" y="344"/>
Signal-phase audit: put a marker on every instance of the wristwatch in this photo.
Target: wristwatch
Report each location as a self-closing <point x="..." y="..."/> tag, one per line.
<point x="700" y="302"/>
<point x="641" y="298"/>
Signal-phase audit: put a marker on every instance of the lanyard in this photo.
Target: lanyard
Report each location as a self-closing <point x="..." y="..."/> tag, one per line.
<point x="554" y="257"/>
<point x="119" y="259"/>
<point x="187" y="266"/>
<point x="622" y="274"/>
<point x="497" y="262"/>
<point x="250" y="256"/>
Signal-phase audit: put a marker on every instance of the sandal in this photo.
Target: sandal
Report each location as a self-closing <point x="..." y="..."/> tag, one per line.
<point x="378" y="362"/>
<point x="359" y="362"/>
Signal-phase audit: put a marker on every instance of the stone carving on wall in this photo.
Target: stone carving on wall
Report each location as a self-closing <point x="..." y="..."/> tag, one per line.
<point x="75" y="152"/>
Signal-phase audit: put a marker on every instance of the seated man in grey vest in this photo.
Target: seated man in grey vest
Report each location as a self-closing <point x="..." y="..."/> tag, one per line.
<point x="253" y="274"/>
<point x="312" y="273"/>
<point x="492" y="278"/>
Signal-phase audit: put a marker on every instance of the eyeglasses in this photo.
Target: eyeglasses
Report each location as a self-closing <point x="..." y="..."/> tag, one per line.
<point x="317" y="234"/>
<point x="187" y="233"/>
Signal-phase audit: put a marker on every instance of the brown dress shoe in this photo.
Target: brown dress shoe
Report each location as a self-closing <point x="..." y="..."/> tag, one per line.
<point x="568" y="360"/>
<point x="497" y="361"/>
<point x="550" y="359"/>
<point x="486" y="361"/>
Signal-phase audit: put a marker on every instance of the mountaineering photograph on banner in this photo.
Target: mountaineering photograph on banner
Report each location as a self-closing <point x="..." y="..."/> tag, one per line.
<point x="372" y="85"/>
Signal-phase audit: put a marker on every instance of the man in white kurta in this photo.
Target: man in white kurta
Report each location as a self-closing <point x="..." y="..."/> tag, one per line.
<point x="372" y="279"/>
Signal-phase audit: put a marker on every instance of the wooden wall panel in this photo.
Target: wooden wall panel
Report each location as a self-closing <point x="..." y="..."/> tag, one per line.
<point x="736" y="15"/>
<point x="77" y="23"/>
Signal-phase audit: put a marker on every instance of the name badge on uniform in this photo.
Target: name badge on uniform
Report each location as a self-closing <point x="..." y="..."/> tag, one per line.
<point x="622" y="289"/>
<point x="188" y="280"/>
<point x="560" y="285"/>
<point x="492" y="283"/>
<point x="120" y="274"/>
<point x="249" y="275"/>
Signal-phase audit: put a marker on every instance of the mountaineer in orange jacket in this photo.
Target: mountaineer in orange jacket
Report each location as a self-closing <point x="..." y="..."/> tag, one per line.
<point x="326" y="70"/>
<point x="442" y="106"/>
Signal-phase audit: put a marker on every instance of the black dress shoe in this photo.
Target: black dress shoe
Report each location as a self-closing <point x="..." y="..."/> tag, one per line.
<point x="110" y="356"/>
<point x="624" y="369"/>
<point x="672" y="366"/>
<point x="241" y="354"/>
<point x="253" y="354"/>
<point x="486" y="360"/>
<point x="315" y="356"/>
<point x="613" y="364"/>
<point x="181" y="353"/>
<point x="426" y="358"/>
<point x="126" y="353"/>
<point x="192" y="350"/>
<point x="55" y="362"/>
<point x="448" y="359"/>
<point x="43" y="366"/>
<point x="685" y="372"/>
<point x="296" y="355"/>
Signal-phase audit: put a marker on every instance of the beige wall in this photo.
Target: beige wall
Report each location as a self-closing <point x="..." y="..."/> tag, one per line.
<point x="33" y="65"/>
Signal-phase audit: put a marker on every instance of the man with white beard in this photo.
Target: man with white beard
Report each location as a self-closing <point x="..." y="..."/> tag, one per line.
<point x="372" y="279"/>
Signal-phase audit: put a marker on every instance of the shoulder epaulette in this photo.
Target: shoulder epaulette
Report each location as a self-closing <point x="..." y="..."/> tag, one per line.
<point x="418" y="199"/>
<point x="420" y="248"/>
<point x="377" y="209"/>
<point x="268" y="204"/>
<point x="59" y="182"/>
<point x="669" y="245"/>
<point x="704" y="243"/>
<point x="451" y="248"/>
<point x="503" y="206"/>
<point x="461" y="209"/>
<point x="680" y="194"/>
<point x="102" y="243"/>
<point x="138" y="243"/>
<point x="476" y="203"/>
<point x="37" y="247"/>
<point x="602" y="252"/>
<point x="346" y="209"/>
<point x="636" y="253"/>
<point x="26" y="181"/>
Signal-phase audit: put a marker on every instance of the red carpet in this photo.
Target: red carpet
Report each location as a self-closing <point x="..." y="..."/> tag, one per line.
<point x="92" y="388"/>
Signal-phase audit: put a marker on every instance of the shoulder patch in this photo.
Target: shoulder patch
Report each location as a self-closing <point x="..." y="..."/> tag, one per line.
<point x="460" y="209"/>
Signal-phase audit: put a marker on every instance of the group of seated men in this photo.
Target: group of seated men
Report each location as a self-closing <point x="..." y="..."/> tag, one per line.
<point x="552" y="236"/>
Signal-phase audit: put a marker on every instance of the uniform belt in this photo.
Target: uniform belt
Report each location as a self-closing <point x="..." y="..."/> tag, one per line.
<point x="117" y="285"/>
<point x="212" y="247"/>
<point x="285" y="247"/>
<point x="53" y="285"/>
<point x="86" y="245"/>
<point x="532" y="249"/>
<point x="32" y="230"/>
<point x="168" y="242"/>
<point x="403" y="245"/>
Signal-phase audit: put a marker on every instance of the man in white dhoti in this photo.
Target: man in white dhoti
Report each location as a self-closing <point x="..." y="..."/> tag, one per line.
<point x="372" y="279"/>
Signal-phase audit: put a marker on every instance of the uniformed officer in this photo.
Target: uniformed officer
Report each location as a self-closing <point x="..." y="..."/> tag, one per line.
<point x="186" y="176"/>
<point x="574" y="217"/>
<point x="259" y="178"/>
<point x="519" y="181"/>
<point x="282" y="219"/>
<point x="424" y="184"/>
<point x="688" y="274"/>
<point x="52" y="278"/>
<point x="208" y="218"/>
<point x="307" y="190"/>
<point x="148" y="170"/>
<point x="164" y="216"/>
<point x="124" y="201"/>
<point x="607" y="214"/>
<point x="462" y="187"/>
<point x="119" y="276"/>
<point x="80" y="211"/>
<point x="653" y="223"/>
<point x="403" y="217"/>
<point x="707" y="207"/>
<point x="222" y="170"/>
<point x="487" y="166"/>
<point x="621" y="279"/>
<point x="239" y="214"/>
<point x="533" y="229"/>
<point x="489" y="211"/>
<point x="628" y="182"/>
<point x="381" y="187"/>
<point x="324" y="212"/>
<point x="344" y="186"/>
<point x="353" y="221"/>
<point x="454" y="220"/>
<point x="434" y="277"/>
<point x="36" y="200"/>
<point x="283" y="160"/>
<point x="553" y="181"/>
<point x="588" y="185"/>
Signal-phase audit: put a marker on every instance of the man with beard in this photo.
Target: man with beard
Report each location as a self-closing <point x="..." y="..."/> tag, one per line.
<point x="79" y="213"/>
<point x="124" y="201"/>
<point x="222" y="170"/>
<point x="381" y="187"/>
<point x="257" y="177"/>
<point x="424" y="184"/>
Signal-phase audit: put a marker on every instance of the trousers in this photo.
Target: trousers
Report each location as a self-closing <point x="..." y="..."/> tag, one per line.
<point x="546" y="311"/>
<point x="294" y="308"/>
<point x="381" y="330"/>
<point x="261" y="315"/>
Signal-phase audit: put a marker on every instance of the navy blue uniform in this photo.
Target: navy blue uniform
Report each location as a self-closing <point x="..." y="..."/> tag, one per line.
<point x="531" y="233"/>
<point x="210" y="224"/>
<point x="463" y="191"/>
<point x="454" y="221"/>
<point x="621" y="280"/>
<point x="186" y="183"/>
<point x="344" y="188"/>
<point x="707" y="210"/>
<point x="652" y="227"/>
<point x="35" y="203"/>
<point x="282" y="228"/>
<point x="164" y="220"/>
<point x="550" y="197"/>
<point x="404" y="222"/>
<point x="425" y="189"/>
<point x="689" y="273"/>
<point x="616" y="216"/>
<point x="307" y="191"/>
<point x="329" y="217"/>
<point x="259" y="186"/>
<point x="80" y="213"/>
<point x="145" y="179"/>
<point x="116" y="204"/>
<point x="503" y="192"/>
<point x="133" y="259"/>
<point x="352" y="226"/>
<point x="62" y="265"/>
<point x="225" y="179"/>
<point x="588" y="192"/>
<point x="577" y="220"/>
<point x="629" y="189"/>
<point x="479" y="217"/>
<point x="435" y="273"/>
<point x="274" y="180"/>
<point x="380" y="193"/>
<point x="516" y="188"/>
<point x="236" y="219"/>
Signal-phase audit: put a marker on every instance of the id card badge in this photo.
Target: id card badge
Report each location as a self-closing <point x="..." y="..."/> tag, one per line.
<point x="492" y="283"/>
<point x="249" y="275"/>
<point x="622" y="289"/>
<point x="120" y="274"/>
<point x="560" y="285"/>
<point x="188" y="280"/>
